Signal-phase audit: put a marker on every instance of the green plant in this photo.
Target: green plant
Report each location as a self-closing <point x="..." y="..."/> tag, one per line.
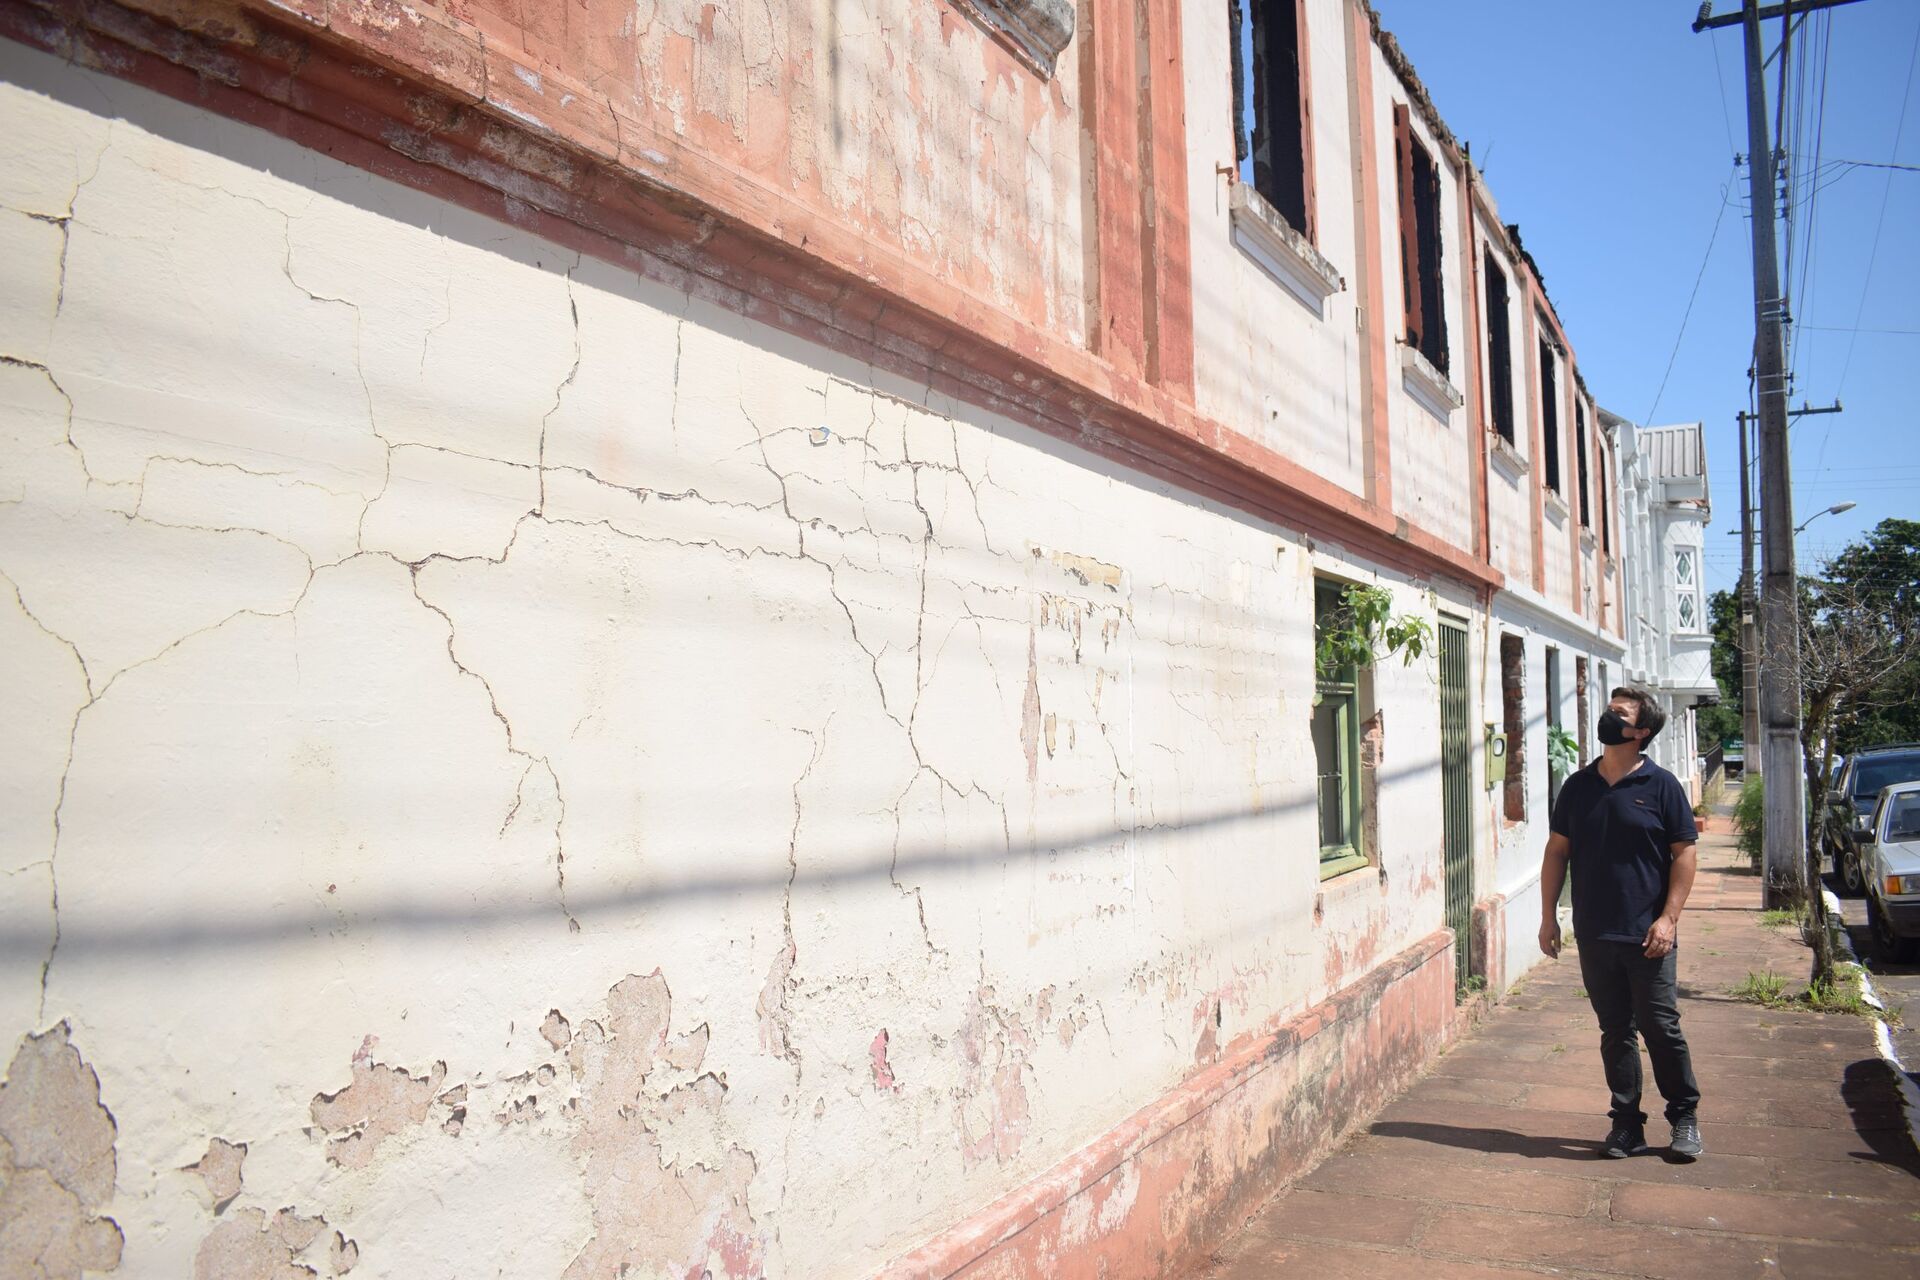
<point x="1363" y="631"/>
<point x="1563" y="750"/>
<point x="1749" y="820"/>
<point x="1779" y="917"/>
<point x="1767" y="988"/>
<point x="1475" y="984"/>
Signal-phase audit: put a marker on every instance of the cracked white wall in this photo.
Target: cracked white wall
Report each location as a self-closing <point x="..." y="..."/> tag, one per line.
<point x="570" y="779"/>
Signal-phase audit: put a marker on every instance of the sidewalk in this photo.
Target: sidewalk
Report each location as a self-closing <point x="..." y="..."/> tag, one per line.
<point x="1487" y="1167"/>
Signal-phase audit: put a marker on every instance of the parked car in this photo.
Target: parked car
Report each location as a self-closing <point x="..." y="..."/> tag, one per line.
<point x="1851" y="801"/>
<point x="1890" y="857"/>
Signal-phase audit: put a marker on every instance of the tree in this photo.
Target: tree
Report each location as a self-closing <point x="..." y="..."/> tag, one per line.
<point x="1721" y="723"/>
<point x="1882" y="575"/>
<point x="1859" y="658"/>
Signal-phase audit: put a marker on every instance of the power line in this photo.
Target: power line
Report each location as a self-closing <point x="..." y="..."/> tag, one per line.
<point x="1705" y="258"/>
<point x="1900" y="128"/>
<point x="1726" y="119"/>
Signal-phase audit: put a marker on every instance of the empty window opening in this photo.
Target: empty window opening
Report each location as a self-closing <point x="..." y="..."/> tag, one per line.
<point x="1513" y="686"/>
<point x="1550" y="413"/>
<point x="1583" y="707"/>
<point x="1272" y="115"/>
<point x="1580" y="458"/>
<point x="1420" y="245"/>
<point x="1500" y="348"/>
<point x="1606" y="508"/>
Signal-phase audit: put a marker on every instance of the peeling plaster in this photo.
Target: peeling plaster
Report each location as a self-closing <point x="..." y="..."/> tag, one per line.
<point x="57" y="1164"/>
<point x="551" y="619"/>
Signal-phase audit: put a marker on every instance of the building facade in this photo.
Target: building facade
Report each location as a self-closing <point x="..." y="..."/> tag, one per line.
<point x="1669" y="632"/>
<point x="688" y="640"/>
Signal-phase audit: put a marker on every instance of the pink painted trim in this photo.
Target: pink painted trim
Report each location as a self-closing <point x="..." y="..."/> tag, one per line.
<point x="719" y="236"/>
<point x="976" y="1238"/>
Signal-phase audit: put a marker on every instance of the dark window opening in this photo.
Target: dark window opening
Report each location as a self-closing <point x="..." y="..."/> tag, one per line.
<point x="1500" y="348"/>
<point x="1272" y="117"/>
<point x="1580" y="458"/>
<point x="1583" y="707"/>
<point x="1606" y="508"/>
<point x="1513" y="686"/>
<point x="1550" y="414"/>
<point x="1422" y="290"/>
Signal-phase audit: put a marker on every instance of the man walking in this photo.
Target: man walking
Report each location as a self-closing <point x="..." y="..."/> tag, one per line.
<point x="1625" y="825"/>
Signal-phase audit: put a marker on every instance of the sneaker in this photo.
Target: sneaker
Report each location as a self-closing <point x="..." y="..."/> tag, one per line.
<point x="1625" y="1140"/>
<point x="1686" y="1140"/>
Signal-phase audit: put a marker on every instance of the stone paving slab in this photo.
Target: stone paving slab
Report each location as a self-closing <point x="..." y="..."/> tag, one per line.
<point x="1488" y="1166"/>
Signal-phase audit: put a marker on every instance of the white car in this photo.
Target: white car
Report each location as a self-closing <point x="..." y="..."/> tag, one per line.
<point x="1891" y="860"/>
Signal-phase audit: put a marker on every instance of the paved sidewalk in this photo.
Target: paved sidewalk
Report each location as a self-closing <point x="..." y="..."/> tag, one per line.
<point x="1488" y="1166"/>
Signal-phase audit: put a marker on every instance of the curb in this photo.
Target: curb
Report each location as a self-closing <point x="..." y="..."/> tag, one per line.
<point x="1882" y="1033"/>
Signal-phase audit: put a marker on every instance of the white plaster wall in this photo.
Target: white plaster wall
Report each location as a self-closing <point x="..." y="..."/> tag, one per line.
<point x="575" y="780"/>
<point x="1263" y="362"/>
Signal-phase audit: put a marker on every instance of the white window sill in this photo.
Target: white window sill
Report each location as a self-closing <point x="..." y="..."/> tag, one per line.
<point x="1505" y="457"/>
<point x="1282" y="252"/>
<point x="1556" y="506"/>
<point x="1427" y="384"/>
<point x="1586" y="539"/>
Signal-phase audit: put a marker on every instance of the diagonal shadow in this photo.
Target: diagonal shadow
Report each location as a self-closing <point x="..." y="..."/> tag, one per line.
<point x="1501" y="1141"/>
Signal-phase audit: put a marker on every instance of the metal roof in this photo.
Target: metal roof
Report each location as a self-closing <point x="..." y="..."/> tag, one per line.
<point x="1675" y="453"/>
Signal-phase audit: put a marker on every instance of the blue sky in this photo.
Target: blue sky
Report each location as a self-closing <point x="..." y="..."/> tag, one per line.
<point x="1608" y="134"/>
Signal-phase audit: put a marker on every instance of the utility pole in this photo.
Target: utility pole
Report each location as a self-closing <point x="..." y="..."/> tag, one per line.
<point x="1750" y="640"/>
<point x="1784" y="828"/>
<point x="1751" y="762"/>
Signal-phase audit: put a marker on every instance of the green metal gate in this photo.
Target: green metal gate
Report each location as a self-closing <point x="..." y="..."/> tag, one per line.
<point x="1456" y="793"/>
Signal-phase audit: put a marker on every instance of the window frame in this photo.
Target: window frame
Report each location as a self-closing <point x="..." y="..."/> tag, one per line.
<point x="1259" y="81"/>
<point x="1341" y="694"/>
<point x="1581" y="467"/>
<point x="1550" y="413"/>
<point x="1422" y="243"/>
<point x="1499" y="325"/>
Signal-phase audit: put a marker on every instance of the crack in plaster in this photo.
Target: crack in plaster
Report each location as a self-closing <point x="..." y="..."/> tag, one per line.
<point x="560" y="392"/>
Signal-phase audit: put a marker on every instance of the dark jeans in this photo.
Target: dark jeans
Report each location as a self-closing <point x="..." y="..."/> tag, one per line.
<point x="1629" y="992"/>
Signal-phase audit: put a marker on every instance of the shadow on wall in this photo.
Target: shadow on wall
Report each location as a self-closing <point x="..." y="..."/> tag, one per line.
<point x="326" y="177"/>
<point x="220" y="930"/>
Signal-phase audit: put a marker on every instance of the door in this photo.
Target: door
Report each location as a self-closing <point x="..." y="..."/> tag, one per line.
<point x="1456" y="794"/>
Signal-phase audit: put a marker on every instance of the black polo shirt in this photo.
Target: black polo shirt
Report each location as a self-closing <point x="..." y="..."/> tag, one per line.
<point x="1622" y="837"/>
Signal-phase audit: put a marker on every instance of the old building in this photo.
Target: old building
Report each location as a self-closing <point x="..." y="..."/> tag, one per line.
<point x="1669" y="632"/>
<point x="680" y="639"/>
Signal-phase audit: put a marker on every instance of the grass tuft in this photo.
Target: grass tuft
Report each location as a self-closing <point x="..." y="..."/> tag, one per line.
<point x="1767" y="988"/>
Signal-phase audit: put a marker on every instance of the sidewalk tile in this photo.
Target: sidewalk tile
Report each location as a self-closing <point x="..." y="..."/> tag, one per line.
<point x="1763" y="1213"/>
<point x="1489" y="1165"/>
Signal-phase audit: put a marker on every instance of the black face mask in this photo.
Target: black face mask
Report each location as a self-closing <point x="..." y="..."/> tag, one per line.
<point x="1613" y="730"/>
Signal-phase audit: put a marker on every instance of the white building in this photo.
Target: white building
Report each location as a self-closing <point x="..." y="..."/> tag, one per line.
<point x="1669" y="634"/>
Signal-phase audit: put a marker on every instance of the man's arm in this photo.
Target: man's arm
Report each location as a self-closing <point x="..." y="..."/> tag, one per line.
<point x="1553" y="874"/>
<point x="1660" y="937"/>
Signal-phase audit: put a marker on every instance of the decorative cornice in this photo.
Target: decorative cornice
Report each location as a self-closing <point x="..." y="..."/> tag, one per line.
<point x="1037" y="31"/>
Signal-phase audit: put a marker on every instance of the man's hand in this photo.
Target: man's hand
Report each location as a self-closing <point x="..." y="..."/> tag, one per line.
<point x="1550" y="937"/>
<point x="1660" y="938"/>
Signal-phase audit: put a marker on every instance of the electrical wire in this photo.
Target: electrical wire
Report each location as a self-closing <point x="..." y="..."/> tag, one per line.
<point x="1879" y="223"/>
<point x="1726" y="198"/>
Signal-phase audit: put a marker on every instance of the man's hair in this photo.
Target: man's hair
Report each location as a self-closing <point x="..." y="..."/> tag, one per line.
<point x="1647" y="713"/>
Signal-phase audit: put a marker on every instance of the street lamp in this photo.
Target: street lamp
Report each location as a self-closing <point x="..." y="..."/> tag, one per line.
<point x="1838" y="508"/>
<point x="1834" y="510"/>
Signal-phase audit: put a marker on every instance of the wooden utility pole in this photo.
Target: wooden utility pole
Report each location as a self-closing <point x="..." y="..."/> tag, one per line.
<point x="1750" y="640"/>
<point x="1751" y="764"/>
<point x="1780" y="759"/>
